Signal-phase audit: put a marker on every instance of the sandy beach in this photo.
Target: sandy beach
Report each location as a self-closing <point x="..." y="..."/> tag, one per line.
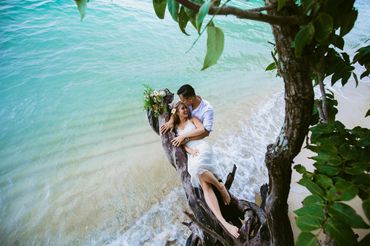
<point x="353" y="104"/>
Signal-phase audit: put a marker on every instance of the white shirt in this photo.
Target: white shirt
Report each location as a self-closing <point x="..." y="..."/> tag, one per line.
<point x="204" y="112"/>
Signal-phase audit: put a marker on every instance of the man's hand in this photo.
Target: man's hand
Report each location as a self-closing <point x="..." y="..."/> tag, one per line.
<point x="166" y="127"/>
<point x="177" y="141"/>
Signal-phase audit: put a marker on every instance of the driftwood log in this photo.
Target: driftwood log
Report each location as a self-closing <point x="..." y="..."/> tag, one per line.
<point x="205" y="228"/>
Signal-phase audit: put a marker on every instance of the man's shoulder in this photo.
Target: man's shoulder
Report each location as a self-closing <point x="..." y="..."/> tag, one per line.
<point x="206" y="105"/>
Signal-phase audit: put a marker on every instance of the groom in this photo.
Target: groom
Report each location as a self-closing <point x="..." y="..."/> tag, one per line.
<point x="199" y="108"/>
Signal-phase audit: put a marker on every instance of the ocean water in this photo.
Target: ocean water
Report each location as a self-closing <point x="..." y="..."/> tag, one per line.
<point x="79" y="164"/>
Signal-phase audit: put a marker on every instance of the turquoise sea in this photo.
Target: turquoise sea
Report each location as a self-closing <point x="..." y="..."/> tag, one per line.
<point x="79" y="164"/>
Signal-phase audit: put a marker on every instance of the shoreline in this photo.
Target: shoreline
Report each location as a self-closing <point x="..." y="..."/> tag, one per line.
<point x="353" y="104"/>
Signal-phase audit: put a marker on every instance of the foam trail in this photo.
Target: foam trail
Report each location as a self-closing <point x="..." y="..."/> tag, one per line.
<point x="246" y="148"/>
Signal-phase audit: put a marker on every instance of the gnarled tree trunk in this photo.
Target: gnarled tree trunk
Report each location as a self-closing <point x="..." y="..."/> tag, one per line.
<point x="299" y="100"/>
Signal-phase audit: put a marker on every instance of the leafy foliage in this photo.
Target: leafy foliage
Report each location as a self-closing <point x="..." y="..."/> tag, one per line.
<point x="363" y="58"/>
<point x="342" y="165"/>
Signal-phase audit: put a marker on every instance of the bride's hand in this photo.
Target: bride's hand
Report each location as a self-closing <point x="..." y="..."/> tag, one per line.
<point x="177" y="141"/>
<point x="166" y="127"/>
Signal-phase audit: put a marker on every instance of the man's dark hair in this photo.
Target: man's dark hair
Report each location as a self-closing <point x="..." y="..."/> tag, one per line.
<point x="186" y="91"/>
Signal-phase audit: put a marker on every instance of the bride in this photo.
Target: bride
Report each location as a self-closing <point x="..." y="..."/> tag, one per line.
<point x="201" y="164"/>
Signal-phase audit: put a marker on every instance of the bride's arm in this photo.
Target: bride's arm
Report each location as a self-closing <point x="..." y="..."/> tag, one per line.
<point x="191" y="151"/>
<point x="197" y="133"/>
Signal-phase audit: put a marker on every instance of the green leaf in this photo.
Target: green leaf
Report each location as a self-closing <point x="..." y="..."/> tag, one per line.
<point x="366" y="207"/>
<point x="367" y="113"/>
<point x="314" y="210"/>
<point x="183" y="20"/>
<point x="345" y="77"/>
<point x="355" y="78"/>
<point x="303" y="38"/>
<point x="203" y="11"/>
<point x="345" y="191"/>
<point x="364" y="74"/>
<point x="348" y="22"/>
<point x="306" y="239"/>
<point x="337" y="41"/>
<point x="271" y="66"/>
<point x="327" y="153"/>
<point x="215" y="46"/>
<point x="308" y="223"/>
<point x="300" y="169"/>
<point x="323" y="27"/>
<point x="339" y="232"/>
<point x="337" y="76"/>
<point x="311" y="186"/>
<point x="324" y="181"/>
<point x="348" y="215"/>
<point x="192" y="15"/>
<point x="357" y="168"/>
<point x="307" y="5"/>
<point x="281" y="4"/>
<point x="81" y="5"/>
<point x="159" y="8"/>
<point x="313" y="199"/>
<point x="173" y="8"/>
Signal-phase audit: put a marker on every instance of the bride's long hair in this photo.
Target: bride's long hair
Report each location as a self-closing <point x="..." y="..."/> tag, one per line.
<point x="176" y="117"/>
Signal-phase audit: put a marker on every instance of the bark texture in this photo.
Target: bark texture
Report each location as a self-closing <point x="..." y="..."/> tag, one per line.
<point x="279" y="157"/>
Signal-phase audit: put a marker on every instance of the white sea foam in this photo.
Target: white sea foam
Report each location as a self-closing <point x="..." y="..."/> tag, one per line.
<point x="245" y="148"/>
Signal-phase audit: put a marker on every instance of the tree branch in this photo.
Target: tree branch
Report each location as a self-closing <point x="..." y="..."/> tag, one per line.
<point x="270" y="7"/>
<point x="250" y="14"/>
<point x="323" y="97"/>
<point x="205" y="228"/>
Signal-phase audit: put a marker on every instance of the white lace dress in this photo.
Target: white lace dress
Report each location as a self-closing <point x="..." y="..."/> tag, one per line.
<point x="204" y="161"/>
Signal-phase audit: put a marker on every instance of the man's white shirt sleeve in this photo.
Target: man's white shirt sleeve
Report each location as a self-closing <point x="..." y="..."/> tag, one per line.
<point x="208" y="120"/>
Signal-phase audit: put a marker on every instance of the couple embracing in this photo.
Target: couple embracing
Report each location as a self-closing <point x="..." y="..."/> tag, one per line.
<point x="192" y="118"/>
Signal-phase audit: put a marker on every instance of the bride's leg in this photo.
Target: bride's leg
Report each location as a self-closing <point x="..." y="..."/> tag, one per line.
<point x="212" y="203"/>
<point x="208" y="177"/>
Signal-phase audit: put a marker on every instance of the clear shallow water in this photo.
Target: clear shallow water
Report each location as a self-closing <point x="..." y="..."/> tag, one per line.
<point x="78" y="162"/>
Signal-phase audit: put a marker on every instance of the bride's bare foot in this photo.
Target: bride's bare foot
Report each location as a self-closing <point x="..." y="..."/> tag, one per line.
<point x="225" y="194"/>
<point x="233" y="230"/>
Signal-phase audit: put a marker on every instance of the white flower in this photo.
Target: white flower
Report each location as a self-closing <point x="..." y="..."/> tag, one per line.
<point x="173" y="111"/>
<point x="156" y="93"/>
<point x="162" y="93"/>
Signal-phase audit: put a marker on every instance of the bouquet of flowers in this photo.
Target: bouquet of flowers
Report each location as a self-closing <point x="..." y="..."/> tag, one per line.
<point x="154" y="100"/>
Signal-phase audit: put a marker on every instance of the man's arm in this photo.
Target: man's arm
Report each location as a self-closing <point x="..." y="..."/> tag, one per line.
<point x="207" y="124"/>
<point x="198" y="131"/>
<point x="200" y="136"/>
<point x="208" y="120"/>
